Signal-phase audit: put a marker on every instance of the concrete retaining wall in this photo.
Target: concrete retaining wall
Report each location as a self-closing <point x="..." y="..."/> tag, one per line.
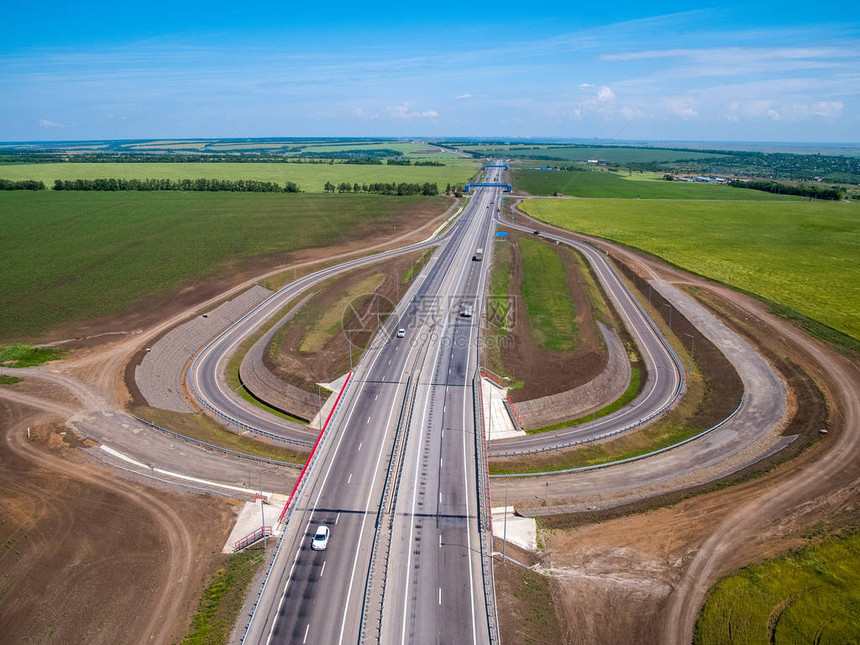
<point x="159" y="375"/>
<point x="609" y="385"/>
<point x="267" y="387"/>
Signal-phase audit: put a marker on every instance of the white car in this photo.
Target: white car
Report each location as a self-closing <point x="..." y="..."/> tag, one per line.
<point x="401" y="333"/>
<point x="466" y="312"/>
<point x="320" y="541"/>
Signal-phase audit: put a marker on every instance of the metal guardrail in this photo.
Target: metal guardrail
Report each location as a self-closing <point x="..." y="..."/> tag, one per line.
<point x="298" y="493"/>
<point x="637" y="457"/>
<point x="249" y="428"/>
<point x="485" y="511"/>
<point x="679" y="368"/>
<point x="214" y="447"/>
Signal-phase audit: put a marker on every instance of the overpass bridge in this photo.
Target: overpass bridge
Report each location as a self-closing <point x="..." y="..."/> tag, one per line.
<point x="496" y="165"/>
<point x="507" y="187"/>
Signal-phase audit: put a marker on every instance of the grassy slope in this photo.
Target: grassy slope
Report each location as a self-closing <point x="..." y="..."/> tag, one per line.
<point x="799" y="254"/>
<point x="72" y="256"/>
<point x="221" y="601"/>
<point x="592" y="183"/>
<point x="812" y="596"/>
<point x="547" y="297"/>
<point x="309" y="177"/>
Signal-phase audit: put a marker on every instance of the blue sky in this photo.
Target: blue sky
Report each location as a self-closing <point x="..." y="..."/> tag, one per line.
<point x="680" y="71"/>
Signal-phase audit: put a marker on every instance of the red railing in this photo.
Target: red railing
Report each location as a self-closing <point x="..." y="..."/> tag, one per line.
<point x="314" y="449"/>
<point x="253" y="536"/>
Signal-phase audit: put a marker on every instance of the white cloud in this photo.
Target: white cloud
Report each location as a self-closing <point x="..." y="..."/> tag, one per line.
<point x="826" y="108"/>
<point x="463" y="96"/>
<point x="605" y="95"/>
<point x="51" y="124"/>
<point x="404" y="112"/>
<point x="582" y="86"/>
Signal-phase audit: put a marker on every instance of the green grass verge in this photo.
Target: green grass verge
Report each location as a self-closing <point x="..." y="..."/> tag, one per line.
<point x="800" y="255"/>
<point x="547" y="297"/>
<point x="97" y="253"/>
<point x="310" y="178"/>
<point x="201" y="427"/>
<point x="21" y="355"/>
<point x="5" y="379"/>
<point x="810" y="596"/>
<point x="629" y="394"/>
<point x="222" y="600"/>
<point x="415" y="268"/>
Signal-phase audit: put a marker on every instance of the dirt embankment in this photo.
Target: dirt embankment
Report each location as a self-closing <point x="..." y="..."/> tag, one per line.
<point x="90" y="557"/>
<point x="641" y="578"/>
<point x="355" y="320"/>
<point x="542" y="371"/>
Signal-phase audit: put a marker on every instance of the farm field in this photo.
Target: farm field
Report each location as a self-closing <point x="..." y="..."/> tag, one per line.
<point x="71" y="256"/>
<point x="812" y="596"/>
<point x="597" y="183"/>
<point x="799" y="254"/>
<point x="612" y="154"/>
<point x="310" y="178"/>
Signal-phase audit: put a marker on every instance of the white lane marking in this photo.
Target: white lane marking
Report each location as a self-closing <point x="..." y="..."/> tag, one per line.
<point x="337" y="519"/>
<point x="360" y="444"/>
<point x="376" y="397"/>
<point x="350" y="478"/>
<point x="441" y="461"/>
<point x="440" y="595"/>
<point x="322" y="571"/>
<point x="306" y="634"/>
<point x="389" y="361"/>
<point x="440" y="540"/>
<point x="368" y="420"/>
<point x="383" y="378"/>
<point x="363" y="524"/>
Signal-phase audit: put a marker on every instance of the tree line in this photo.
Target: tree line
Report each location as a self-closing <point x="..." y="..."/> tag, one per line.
<point x="24" y="184"/>
<point x="804" y="190"/>
<point x="199" y="185"/>
<point x="384" y="188"/>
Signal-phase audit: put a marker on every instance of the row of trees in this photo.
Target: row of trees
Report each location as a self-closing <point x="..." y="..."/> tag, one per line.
<point x="200" y="185"/>
<point x="803" y="190"/>
<point x="384" y="188"/>
<point x="24" y="184"/>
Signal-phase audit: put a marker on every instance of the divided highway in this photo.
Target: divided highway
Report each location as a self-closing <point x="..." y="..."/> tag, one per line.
<point x="433" y="589"/>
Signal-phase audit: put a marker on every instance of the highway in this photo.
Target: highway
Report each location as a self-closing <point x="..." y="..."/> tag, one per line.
<point x="664" y="382"/>
<point x="205" y="375"/>
<point x="432" y="590"/>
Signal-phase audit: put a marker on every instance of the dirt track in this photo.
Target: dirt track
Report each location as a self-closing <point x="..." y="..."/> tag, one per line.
<point x="101" y="559"/>
<point x="91" y="557"/>
<point x="642" y="578"/>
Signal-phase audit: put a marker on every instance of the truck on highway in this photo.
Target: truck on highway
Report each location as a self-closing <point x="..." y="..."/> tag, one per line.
<point x="479" y="255"/>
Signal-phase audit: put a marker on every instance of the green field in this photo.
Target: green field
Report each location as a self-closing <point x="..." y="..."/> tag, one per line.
<point x="545" y="291"/>
<point x="612" y="154"/>
<point x="812" y="596"/>
<point x="70" y="256"/>
<point x="799" y="254"/>
<point x="597" y="183"/>
<point x="310" y="177"/>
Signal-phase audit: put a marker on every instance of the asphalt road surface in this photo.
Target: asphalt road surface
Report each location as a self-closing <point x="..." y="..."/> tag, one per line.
<point x="432" y="591"/>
